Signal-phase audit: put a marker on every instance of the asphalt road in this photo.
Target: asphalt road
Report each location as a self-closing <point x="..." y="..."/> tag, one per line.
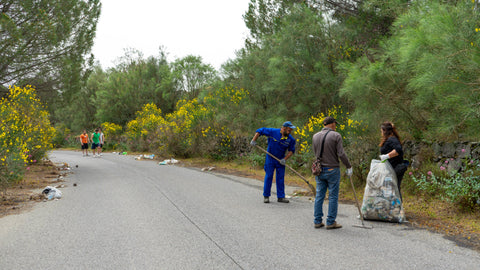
<point x="129" y="214"/>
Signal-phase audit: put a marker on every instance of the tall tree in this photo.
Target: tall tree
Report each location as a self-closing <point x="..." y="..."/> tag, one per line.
<point x="191" y="75"/>
<point x="303" y="74"/>
<point x="44" y="41"/>
<point x="289" y="65"/>
<point x="133" y="83"/>
<point x="80" y="112"/>
<point x="263" y="18"/>
<point x="427" y="77"/>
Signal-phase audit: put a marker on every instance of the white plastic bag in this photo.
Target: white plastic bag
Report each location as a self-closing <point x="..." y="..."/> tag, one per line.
<point x="52" y="193"/>
<point x="168" y="161"/>
<point x="381" y="200"/>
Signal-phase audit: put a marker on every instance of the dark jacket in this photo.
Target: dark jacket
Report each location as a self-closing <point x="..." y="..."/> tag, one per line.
<point x="393" y="143"/>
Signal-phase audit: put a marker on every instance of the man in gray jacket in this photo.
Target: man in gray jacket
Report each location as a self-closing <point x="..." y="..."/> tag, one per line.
<point x="330" y="176"/>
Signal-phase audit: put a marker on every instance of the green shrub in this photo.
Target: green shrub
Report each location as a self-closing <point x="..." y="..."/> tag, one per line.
<point x="62" y="136"/>
<point x="461" y="188"/>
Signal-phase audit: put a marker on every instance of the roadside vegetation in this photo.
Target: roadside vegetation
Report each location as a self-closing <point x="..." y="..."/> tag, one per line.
<point x="413" y="63"/>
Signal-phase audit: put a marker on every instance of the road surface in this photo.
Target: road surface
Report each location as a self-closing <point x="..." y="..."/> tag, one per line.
<point x="129" y="214"/>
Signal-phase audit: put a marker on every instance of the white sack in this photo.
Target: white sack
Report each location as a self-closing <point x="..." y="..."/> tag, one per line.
<point x="381" y="200"/>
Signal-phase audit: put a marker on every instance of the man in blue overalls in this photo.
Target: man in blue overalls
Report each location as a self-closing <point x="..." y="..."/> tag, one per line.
<point x="279" y="142"/>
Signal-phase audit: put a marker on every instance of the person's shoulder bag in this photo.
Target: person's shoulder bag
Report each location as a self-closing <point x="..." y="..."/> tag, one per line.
<point x="317" y="163"/>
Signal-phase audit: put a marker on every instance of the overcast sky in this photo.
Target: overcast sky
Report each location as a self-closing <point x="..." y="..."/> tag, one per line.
<point x="212" y="29"/>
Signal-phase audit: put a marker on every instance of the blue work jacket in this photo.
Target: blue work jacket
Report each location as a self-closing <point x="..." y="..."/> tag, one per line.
<point x="277" y="145"/>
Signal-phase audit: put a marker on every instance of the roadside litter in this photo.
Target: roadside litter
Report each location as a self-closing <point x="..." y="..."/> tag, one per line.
<point x="52" y="193"/>
<point x="63" y="166"/>
<point x="208" y="169"/>
<point x="152" y="156"/>
<point x="168" y="161"/>
<point x="381" y="200"/>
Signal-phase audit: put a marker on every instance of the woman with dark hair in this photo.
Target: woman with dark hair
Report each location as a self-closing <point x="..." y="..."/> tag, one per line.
<point x="391" y="149"/>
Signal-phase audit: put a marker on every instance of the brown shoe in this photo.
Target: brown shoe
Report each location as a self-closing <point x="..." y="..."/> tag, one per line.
<point x="318" y="225"/>
<point x="335" y="225"/>
<point x="266" y="199"/>
<point x="284" y="200"/>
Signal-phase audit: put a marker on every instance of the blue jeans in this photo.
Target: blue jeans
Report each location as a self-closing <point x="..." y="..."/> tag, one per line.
<point x="279" y="179"/>
<point x="329" y="178"/>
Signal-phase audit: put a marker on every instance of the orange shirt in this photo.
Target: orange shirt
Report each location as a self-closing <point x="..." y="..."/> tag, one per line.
<point x="84" y="138"/>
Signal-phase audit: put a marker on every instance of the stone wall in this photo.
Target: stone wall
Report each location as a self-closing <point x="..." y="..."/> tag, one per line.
<point x="448" y="154"/>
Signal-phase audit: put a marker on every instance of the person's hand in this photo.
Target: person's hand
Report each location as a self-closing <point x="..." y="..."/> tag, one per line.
<point x="253" y="143"/>
<point x="384" y="157"/>
<point x="349" y="171"/>
<point x="282" y="161"/>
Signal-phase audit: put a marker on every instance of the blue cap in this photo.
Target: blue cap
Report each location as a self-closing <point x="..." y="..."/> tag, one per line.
<point x="289" y="125"/>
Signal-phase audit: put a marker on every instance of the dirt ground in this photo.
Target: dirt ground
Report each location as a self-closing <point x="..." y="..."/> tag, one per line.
<point x="461" y="228"/>
<point x="22" y="195"/>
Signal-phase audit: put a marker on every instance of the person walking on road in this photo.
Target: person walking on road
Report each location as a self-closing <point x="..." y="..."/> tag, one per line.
<point x="102" y="141"/>
<point x="84" y="140"/>
<point x="95" y="143"/>
<point x="391" y="149"/>
<point x="329" y="178"/>
<point x="279" y="142"/>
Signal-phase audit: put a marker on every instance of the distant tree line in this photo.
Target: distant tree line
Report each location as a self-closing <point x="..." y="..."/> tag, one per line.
<point x="415" y="63"/>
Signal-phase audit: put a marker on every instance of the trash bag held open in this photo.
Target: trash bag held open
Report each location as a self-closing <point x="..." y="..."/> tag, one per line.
<point x="381" y="200"/>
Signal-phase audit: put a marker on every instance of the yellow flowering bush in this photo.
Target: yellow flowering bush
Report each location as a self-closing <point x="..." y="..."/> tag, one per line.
<point x="227" y="104"/>
<point x="352" y="131"/>
<point x="25" y="132"/>
<point x="174" y="133"/>
<point x="347" y="127"/>
<point x="228" y="96"/>
<point x="111" y="130"/>
<point x="194" y="128"/>
<point x="182" y="131"/>
<point x="219" y="142"/>
<point x="112" y="133"/>
<point x="142" y="130"/>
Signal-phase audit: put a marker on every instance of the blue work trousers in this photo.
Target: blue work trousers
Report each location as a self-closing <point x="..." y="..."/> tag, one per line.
<point x="279" y="179"/>
<point x="328" y="179"/>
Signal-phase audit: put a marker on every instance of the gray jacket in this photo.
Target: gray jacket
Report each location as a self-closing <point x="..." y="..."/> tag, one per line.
<point x="333" y="149"/>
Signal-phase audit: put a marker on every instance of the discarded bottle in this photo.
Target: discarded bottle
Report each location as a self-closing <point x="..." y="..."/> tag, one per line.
<point x="388" y="187"/>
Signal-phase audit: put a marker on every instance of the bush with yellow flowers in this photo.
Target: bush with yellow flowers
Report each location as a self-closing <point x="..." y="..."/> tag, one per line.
<point x="141" y="132"/>
<point x="351" y="131"/>
<point x="228" y="106"/>
<point x="181" y="133"/>
<point x="195" y="128"/>
<point x="112" y="135"/>
<point x="217" y="142"/>
<point x="347" y="127"/>
<point x="25" y="133"/>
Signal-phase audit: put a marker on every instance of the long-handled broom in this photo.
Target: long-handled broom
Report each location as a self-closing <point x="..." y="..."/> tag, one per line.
<point x="358" y="206"/>
<point x="303" y="178"/>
